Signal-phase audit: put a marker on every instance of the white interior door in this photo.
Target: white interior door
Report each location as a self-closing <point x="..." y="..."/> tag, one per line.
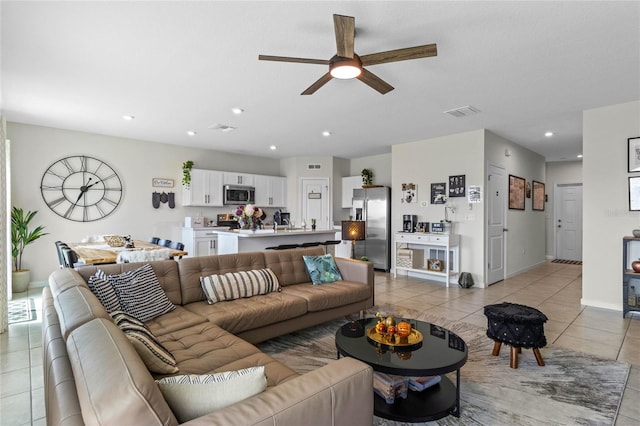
<point x="496" y="213"/>
<point x="315" y="201"/>
<point x="568" y="222"/>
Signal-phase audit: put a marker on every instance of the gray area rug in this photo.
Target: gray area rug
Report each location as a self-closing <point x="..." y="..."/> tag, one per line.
<point x="21" y="310"/>
<point x="572" y="389"/>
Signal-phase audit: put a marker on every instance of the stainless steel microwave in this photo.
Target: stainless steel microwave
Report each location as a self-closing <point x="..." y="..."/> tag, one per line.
<point x="235" y="194"/>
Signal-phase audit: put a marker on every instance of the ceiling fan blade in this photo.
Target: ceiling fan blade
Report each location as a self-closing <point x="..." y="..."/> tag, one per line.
<point x="288" y="59"/>
<point x="345" y="28"/>
<point x="318" y="84"/>
<point x="405" y="54"/>
<point x="374" y="82"/>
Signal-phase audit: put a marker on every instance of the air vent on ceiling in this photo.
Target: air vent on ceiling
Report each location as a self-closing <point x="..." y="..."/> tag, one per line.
<point x="463" y="111"/>
<point x="221" y="127"/>
<point x="313" y="166"/>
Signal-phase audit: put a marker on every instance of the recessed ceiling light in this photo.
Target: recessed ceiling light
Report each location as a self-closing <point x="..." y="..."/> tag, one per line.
<point x="237" y="110"/>
<point x="128" y="117"/>
<point x="579" y="155"/>
<point x="191" y="133"/>
<point x="273" y="147"/>
<point x="326" y="133"/>
<point x="548" y="134"/>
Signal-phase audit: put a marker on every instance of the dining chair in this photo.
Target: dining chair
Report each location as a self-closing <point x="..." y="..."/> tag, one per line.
<point x="71" y="258"/>
<point x="176" y="245"/>
<point x="154" y="240"/>
<point x="59" y="246"/>
<point x="163" y="242"/>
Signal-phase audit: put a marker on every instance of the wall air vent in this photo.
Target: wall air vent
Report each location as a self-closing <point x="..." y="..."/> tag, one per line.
<point x="221" y="127"/>
<point x="313" y="166"/>
<point x="464" y="111"/>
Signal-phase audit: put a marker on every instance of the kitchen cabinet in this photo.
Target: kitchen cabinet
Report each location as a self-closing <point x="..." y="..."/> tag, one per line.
<point x="205" y="189"/>
<point x="200" y="241"/>
<point x="427" y="251"/>
<point x="271" y="191"/>
<point x="630" y="278"/>
<point x="349" y="183"/>
<point x="233" y="178"/>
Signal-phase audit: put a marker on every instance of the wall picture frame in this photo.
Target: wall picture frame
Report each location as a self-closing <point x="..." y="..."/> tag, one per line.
<point x="516" y="192"/>
<point x="457" y="186"/>
<point x="439" y="188"/>
<point x="538" y="196"/>
<point x="634" y="193"/>
<point x="633" y="155"/>
<point x="162" y="183"/>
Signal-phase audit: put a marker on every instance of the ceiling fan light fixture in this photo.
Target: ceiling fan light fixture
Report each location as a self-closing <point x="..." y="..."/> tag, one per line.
<point x="345" y="68"/>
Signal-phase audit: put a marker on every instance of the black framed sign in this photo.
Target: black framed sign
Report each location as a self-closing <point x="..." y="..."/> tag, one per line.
<point x="516" y="192"/>
<point x="438" y="189"/>
<point x="633" y="155"/>
<point x="456" y="186"/>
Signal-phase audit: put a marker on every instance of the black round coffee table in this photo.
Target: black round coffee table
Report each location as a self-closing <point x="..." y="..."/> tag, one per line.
<point x="440" y="352"/>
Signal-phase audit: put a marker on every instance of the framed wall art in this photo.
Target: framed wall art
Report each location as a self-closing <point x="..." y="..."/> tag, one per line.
<point x="162" y="183"/>
<point x="438" y="189"/>
<point x="456" y="186"/>
<point x="516" y="192"/>
<point x="538" y="196"/>
<point x="633" y="155"/>
<point x="634" y="193"/>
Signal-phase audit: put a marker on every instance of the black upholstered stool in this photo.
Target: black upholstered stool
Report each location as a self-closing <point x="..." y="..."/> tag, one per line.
<point x="516" y="325"/>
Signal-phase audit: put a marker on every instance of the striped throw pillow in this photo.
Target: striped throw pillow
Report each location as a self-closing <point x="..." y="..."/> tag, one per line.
<point x="121" y="318"/>
<point x="236" y="285"/>
<point x="155" y="356"/>
<point x="192" y="396"/>
<point x="104" y="291"/>
<point x="140" y="293"/>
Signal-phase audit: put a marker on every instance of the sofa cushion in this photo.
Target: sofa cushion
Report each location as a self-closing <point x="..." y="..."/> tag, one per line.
<point x="322" y="269"/>
<point x="76" y="306"/>
<point x="104" y="291"/>
<point x="140" y="293"/>
<point x="327" y="296"/>
<point x="253" y="312"/>
<point x="289" y="266"/>
<point x="191" y="396"/>
<point x="107" y="369"/>
<point x="236" y="285"/>
<point x="155" y="356"/>
<point x="175" y="320"/>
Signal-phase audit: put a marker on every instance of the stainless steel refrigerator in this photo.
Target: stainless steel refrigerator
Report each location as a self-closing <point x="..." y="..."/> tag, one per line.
<point x="373" y="205"/>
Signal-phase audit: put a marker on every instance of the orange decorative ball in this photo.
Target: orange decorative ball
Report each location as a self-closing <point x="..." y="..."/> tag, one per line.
<point x="381" y="328"/>
<point x="404" y="329"/>
<point x="392" y="329"/>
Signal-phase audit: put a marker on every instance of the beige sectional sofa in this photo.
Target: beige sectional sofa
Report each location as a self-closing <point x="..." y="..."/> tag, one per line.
<point x="93" y="374"/>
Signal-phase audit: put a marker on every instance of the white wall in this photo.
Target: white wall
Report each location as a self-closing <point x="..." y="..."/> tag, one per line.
<point x="558" y="173"/>
<point x="525" y="239"/>
<point x="606" y="212"/>
<point x="380" y="165"/>
<point x="432" y="161"/>
<point x="34" y="149"/>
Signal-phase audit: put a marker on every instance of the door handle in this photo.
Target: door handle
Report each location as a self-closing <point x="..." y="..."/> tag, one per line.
<point x="559" y="226"/>
<point x="505" y="230"/>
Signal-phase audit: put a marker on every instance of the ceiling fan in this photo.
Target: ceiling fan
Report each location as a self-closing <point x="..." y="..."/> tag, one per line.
<point x="347" y="64"/>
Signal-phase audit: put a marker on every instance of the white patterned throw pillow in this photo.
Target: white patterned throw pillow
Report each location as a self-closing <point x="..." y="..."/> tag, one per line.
<point x="191" y="396"/>
<point x="236" y="285"/>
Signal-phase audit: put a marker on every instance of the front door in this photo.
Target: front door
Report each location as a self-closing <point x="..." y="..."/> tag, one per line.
<point x="315" y="202"/>
<point x="569" y="222"/>
<point x="496" y="198"/>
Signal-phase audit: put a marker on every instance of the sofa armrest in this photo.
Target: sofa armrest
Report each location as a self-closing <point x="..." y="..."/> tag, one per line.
<point x="357" y="271"/>
<point x="338" y="394"/>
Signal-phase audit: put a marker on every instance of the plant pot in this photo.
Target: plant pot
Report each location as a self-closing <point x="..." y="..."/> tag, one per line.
<point x="635" y="265"/>
<point x="20" y="280"/>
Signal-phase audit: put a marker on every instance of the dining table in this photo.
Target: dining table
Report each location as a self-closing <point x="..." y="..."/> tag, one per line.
<point x="101" y="252"/>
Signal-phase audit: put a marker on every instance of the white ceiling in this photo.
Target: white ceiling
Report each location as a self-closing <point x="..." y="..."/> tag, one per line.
<point x="529" y="67"/>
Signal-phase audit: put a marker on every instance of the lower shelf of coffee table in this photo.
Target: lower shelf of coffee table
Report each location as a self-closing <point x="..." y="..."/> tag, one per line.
<point x="433" y="403"/>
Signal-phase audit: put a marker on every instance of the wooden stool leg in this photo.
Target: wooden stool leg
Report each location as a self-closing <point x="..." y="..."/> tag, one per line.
<point x="514" y="357"/>
<point x="538" y="355"/>
<point x="496" y="348"/>
<point x="519" y="350"/>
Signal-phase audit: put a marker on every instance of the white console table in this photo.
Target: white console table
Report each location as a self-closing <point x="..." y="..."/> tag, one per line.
<point x="435" y="245"/>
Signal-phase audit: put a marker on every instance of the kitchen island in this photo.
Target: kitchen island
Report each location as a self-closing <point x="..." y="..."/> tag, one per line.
<point x="240" y="241"/>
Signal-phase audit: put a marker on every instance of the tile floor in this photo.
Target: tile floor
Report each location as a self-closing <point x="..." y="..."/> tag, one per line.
<point x="555" y="289"/>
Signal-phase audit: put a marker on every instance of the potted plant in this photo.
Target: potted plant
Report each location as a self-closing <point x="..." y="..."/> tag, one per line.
<point x="186" y="173"/>
<point x="313" y="224"/>
<point x="367" y="177"/>
<point x="21" y="237"/>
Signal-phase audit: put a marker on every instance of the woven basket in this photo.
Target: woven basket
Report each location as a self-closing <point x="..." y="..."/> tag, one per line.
<point x="115" y="240"/>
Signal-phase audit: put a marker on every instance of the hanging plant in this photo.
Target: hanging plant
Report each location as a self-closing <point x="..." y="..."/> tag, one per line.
<point x="367" y="176"/>
<point x="186" y="173"/>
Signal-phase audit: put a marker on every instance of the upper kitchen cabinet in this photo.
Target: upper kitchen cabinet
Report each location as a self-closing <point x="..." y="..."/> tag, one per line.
<point x="205" y="189"/>
<point x="349" y="183"/>
<point x="232" y="178"/>
<point x="271" y="191"/>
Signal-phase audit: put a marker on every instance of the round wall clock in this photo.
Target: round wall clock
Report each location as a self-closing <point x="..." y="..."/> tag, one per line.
<point x="81" y="188"/>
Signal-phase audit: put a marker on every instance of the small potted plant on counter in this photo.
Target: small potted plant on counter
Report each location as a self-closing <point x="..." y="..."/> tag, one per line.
<point x="313" y="224"/>
<point x="21" y="237"/>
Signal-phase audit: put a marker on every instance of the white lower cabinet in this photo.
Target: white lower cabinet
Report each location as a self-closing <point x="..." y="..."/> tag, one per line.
<point x="200" y="241"/>
<point x="428" y="253"/>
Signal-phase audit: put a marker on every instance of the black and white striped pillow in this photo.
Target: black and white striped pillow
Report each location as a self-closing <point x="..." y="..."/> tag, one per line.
<point x="236" y="285"/>
<point x="155" y="356"/>
<point x="192" y="396"/>
<point x="140" y="293"/>
<point x="121" y="318"/>
<point x="104" y="291"/>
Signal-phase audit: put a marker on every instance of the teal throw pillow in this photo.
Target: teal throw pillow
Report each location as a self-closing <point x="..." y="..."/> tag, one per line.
<point x="322" y="269"/>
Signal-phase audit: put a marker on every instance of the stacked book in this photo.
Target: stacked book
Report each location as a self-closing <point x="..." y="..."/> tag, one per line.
<point x="419" y="384"/>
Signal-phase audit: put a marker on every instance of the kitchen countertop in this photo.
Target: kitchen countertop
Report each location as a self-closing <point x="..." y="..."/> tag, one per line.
<point x="271" y="233"/>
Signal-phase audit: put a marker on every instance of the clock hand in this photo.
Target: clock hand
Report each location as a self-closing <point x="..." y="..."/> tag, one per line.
<point x="80" y="196"/>
<point x="94" y="183"/>
<point x="84" y="189"/>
